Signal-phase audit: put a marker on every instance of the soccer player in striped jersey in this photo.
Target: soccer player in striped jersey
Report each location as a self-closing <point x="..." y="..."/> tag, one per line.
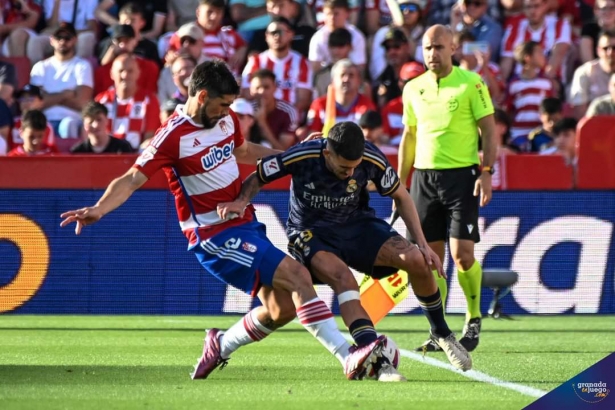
<point x="199" y="148"/>
<point x="331" y="227"/>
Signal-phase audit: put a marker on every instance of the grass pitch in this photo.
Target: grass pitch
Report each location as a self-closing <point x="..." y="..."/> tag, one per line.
<point x="142" y="362"/>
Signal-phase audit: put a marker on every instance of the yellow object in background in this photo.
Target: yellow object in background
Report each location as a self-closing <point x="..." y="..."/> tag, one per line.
<point x="330" y="111"/>
<point x="379" y="297"/>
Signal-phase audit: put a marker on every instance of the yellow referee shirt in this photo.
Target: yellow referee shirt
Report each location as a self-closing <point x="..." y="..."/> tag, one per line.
<point x="445" y="114"/>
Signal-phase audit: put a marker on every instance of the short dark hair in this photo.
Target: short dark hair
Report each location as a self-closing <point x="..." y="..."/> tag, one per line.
<point x="340" y="37"/>
<point x="262" y="74"/>
<point x="34" y="119"/>
<point x="214" y="3"/>
<point x="282" y="20"/>
<point x="464" y="35"/>
<point x="550" y="106"/>
<point x="132" y="8"/>
<point x="346" y="140"/>
<point x="93" y="108"/>
<point x="215" y="77"/>
<point x="525" y="49"/>
<point x="333" y="4"/>
<point x="370" y="120"/>
<point x="186" y="56"/>
<point x="606" y="33"/>
<point x="565" y="124"/>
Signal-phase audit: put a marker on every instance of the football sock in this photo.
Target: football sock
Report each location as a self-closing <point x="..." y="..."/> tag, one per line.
<point x="247" y="330"/>
<point x="317" y="319"/>
<point x="470" y="282"/>
<point x="363" y="332"/>
<point x="434" y="311"/>
<point x="442" y="287"/>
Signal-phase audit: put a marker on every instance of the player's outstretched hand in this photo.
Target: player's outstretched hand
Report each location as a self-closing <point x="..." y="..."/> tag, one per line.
<point x="83" y="217"/>
<point x="313" y="136"/>
<point x="432" y="259"/>
<point x="231" y="210"/>
<point x="482" y="187"/>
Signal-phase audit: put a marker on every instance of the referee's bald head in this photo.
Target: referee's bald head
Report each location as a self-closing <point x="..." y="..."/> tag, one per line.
<point x="438" y="49"/>
<point x="439" y="32"/>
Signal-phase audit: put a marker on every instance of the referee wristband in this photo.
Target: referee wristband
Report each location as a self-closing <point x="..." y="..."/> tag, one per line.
<point x="488" y="169"/>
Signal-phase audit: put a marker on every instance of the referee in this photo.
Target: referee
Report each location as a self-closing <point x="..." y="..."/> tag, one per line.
<point x="445" y="109"/>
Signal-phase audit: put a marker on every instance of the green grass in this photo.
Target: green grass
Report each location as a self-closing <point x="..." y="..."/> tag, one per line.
<point x="136" y="362"/>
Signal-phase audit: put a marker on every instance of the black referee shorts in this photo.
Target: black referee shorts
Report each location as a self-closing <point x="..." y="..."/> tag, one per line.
<point x="446" y="203"/>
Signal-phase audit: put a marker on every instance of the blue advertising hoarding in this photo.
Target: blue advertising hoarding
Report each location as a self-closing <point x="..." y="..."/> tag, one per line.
<point x="135" y="261"/>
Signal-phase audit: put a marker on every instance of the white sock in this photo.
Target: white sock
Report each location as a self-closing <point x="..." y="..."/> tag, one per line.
<point x="247" y="330"/>
<point x="317" y="319"/>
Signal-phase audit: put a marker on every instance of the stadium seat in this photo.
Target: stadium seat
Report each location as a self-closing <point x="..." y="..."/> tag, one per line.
<point x="595" y="148"/>
<point x="22" y="69"/>
<point x="537" y="172"/>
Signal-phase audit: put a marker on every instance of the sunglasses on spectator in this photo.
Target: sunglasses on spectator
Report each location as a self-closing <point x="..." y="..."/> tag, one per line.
<point x="276" y="32"/>
<point x="409" y="7"/>
<point x="191" y="41"/>
<point x="474" y="3"/>
<point x="392" y="46"/>
<point x="65" y="38"/>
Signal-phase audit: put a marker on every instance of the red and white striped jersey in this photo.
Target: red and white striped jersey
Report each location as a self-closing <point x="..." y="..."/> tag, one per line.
<point x="316" y="114"/>
<point x="524" y="98"/>
<point x="15" y="140"/>
<point x="383" y="8"/>
<point x="291" y="72"/>
<point x="392" y="114"/>
<point x="317" y="7"/>
<point x="222" y="43"/>
<point x="552" y="32"/>
<point x="201" y="170"/>
<point x="130" y="119"/>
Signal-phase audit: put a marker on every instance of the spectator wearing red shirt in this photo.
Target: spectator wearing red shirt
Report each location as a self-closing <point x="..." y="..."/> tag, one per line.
<point x="124" y="41"/>
<point x="18" y="19"/>
<point x="29" y="98"/>
<point x="134" y="113"/>
<point x="32" y="132"/>
<point x="276" y="119"/>
<point x="350" y="105"/>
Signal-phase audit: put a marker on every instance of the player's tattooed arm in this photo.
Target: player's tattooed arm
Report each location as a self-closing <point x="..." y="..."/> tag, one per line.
<point x="251" y="186"/>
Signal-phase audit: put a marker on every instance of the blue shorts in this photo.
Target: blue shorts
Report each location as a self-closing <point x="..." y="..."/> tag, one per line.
<point x="355" y="242"/>
<point x="241" y="256"/>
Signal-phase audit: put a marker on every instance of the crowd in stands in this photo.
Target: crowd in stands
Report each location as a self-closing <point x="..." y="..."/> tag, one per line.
<point x="103" y="75"/>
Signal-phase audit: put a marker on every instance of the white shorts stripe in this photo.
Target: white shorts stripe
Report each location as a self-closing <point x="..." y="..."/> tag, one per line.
<point x="223" y="255"/>
<point x="215" y="250"/>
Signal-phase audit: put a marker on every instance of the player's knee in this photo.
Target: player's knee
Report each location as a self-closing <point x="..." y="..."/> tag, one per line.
<point x="416" y="265"/>
<point x="342" y="280"/>
<point x="283" y="316"/>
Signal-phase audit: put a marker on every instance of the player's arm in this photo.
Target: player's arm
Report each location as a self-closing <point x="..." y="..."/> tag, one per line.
<point x="249" y="153"/>
<point x="118" y="191"/>
<point x="407" y="150"/>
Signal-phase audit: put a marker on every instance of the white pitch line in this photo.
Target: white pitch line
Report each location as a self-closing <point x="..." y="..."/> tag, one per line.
<point x="470" y="374"/>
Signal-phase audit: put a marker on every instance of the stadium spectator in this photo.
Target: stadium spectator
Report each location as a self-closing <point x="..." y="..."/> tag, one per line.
<point x="412" y="27"/>
<point x="180" y="12"/>
<point x="317" y="8"/>
<point x="29" y="98"/>
<point x="541" y="138"/>
<point x="98" y="140"/>
<point x="154" y="14"/>
<point x="336" y="14"/>
<point x="6" y="122"/>
<point x="378" y="14"/>
<point x="167" y="109"/>
<point x="66" y="81"/>
<point x="481" y="63"/>
<point x="340" y="47"/>
<point x="125" y="43"/>
<point x="591" y="80"/>
<point x="79" y="14"/>
<point x="134" y="112"/>
<point x="18" y="21"/>
<point x="349" y="102"/>
<point x="386" y="85"/>
<point x="442" y="11"/>
<point x="502" y="133"/>
<point x="292" y="71"/>
<point x="526" y="91"/>
<point x="604" y="11"/>
<point x="275" y="118"/>
<point x="290" y="10"/>
<point x="553" y="35"/>
<point x="393" y="110"/>
<point x="371" y="125"/>
<point x="565" y="135"/>
<point x="32" y="133"/>
<point x="131" y="14"/>
<point x="245" y="113"/>
<point x="472" y="16"/>
<point x="177" y="89"/>
<point x="604" y="105"/>
<point x="250" y="15"/>
<point x="8" y="82"/>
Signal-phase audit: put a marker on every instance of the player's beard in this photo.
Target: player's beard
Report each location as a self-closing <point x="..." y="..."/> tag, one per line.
<point x="207" y="121"/>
